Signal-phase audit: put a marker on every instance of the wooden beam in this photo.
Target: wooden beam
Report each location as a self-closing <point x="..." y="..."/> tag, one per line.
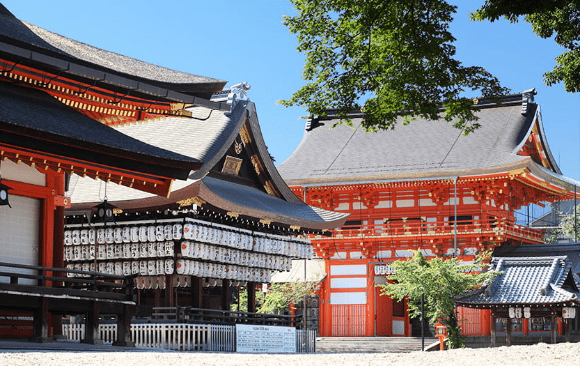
<point x="92" y="325"/>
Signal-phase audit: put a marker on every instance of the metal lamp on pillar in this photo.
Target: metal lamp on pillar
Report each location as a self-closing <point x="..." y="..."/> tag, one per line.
<point x="4" y="194"/>
<point x="105" y="212"/>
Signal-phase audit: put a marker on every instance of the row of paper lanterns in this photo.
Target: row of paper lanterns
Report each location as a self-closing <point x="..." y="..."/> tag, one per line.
<point x="80" y="253"/>
<point x="234" y="256"/>
<point x="154" y="282"/>
<point x="169" y="267"/>
<point x="119" y="251"/>
<point x="189" y="231"/>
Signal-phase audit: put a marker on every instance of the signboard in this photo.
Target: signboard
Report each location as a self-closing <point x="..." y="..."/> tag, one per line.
<point x="383" y="270"/>
<point x="265" y="339"/>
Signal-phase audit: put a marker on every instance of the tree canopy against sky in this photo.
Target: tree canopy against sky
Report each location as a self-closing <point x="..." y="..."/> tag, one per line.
<point x="397" y="58"/>
<point x="549" y="18"/>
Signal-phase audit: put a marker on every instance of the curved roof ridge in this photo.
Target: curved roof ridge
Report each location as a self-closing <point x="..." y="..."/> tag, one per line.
<point x="423" y="147"/>
<point x="24" y="34"/>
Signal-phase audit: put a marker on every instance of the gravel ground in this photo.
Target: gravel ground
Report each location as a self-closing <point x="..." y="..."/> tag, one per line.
<point x="540" y="354"/>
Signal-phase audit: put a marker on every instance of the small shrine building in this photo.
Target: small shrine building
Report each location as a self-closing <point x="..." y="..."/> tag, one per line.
<point x="424" y="187"/>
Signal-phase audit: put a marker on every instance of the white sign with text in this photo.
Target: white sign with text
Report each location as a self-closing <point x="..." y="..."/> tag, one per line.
<point x="265" y="339"/>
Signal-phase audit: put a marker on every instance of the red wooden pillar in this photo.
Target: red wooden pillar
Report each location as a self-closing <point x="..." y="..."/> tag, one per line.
<point x="561" y="329"/>
<point x="486" y="322"/>
<point x="370" y="308"/>
<point x="525" y="325"/>
<point x="325" y="326"/>
<point x="58" y="182"/>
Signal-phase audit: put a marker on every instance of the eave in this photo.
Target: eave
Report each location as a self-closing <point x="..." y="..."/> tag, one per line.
<point x="43" y="161"/>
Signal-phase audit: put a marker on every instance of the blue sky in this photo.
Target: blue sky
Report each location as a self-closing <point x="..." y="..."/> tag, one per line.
<point x="246" y="41"/>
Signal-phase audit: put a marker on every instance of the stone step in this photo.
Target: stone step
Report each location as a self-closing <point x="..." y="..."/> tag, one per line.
<point x="372" y="344"/>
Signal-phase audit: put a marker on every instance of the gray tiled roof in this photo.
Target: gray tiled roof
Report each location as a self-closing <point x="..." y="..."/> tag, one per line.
<point x="32" y="35"/>
<point x="201" y="138"/>
<point x="570" y="250"/>
<point x="527" y="281"/>
<point x="239" y="197"/>
<point x="424" y="148"/>
<point x="207" y="137"/>
<point x="42" y="114"/>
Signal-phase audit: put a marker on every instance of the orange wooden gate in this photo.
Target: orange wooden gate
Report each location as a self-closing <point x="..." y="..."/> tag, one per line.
<point x="348" y="320"/>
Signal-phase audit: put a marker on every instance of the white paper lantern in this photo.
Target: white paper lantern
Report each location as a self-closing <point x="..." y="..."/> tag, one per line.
<point x="143" y="234"/>
<point x="160" y="248"/>
<point x="159" y="233"/>
<point x="118" y="235"/>
<point x="76" y="237"/>
<point x="169" y="266"/>
<point x="85" y="236"/>
<point x="180" y="267"/>
<point x="143" y="268"/>
<point x="135" y="234"/>
<point x="169" y="251"/>
<point x="185" y="249"/>
<point x="177" y="231"/>
<point x="126" y="268"/>
<point x="160" y="266"/>
<point x="151" y="250"/>
<point x="143" y="250"/>
<point x="151" y="236"/>
<point x="126" y="234"/>
<point x="188" y="231"/>
<point x="135" y="267"/>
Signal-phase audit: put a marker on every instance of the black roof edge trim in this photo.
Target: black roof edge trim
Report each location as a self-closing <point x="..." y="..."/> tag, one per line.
<point x="92" y="74"/>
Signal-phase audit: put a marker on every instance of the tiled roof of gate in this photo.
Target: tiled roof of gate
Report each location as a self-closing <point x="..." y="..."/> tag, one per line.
<point x="421" y="149"/>
<point x="527" y="280"/>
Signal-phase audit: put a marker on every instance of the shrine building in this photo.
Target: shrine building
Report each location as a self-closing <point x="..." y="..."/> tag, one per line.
<point x="423" y="186"/>
<point x="171" y="185"/>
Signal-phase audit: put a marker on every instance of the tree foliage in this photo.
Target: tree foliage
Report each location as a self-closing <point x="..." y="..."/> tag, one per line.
<point x="387" y="58"/>
<point x="439" y="280"/>
<point x="281" y="295"/>
<point x="549" y="18"/>
<point x="569" y="226"/>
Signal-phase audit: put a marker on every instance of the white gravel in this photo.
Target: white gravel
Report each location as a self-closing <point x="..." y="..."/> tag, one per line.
<point x="540" y="354"/>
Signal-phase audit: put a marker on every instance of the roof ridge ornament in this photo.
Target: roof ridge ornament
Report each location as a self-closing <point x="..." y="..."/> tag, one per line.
<point x="236" y="93"/>
<point x="527" y="97"/>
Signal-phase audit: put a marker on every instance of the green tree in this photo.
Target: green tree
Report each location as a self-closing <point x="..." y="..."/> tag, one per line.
<point x="439" y="280"/>
<point x="281" y="295"/>
<point x="387" y="58"/>
<point x="549" y="18"/>
<point x="569" y="226"/>
<point x="242" y="299"/>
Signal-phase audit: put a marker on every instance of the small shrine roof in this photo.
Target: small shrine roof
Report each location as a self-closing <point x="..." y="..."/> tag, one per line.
<point x="570" y="250"/>
<point x="423" y="149"/>
<point x="526" y="281"/>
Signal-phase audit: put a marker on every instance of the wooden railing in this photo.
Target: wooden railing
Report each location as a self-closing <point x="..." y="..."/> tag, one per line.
<point x="211" y="316"/>
<point x="417" y="227"/>
<point x="63" y="281"/>
<point x="184" y="337"/>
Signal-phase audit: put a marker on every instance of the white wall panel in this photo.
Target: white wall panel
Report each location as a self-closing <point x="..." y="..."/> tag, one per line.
<point x="345" y="270"/>
<point x="19" y="230"/>
<point x="398" y="327"/>
<point x="22" y="173"/>
<point x="348" y="298"/>
<point x="341" y="282"/>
